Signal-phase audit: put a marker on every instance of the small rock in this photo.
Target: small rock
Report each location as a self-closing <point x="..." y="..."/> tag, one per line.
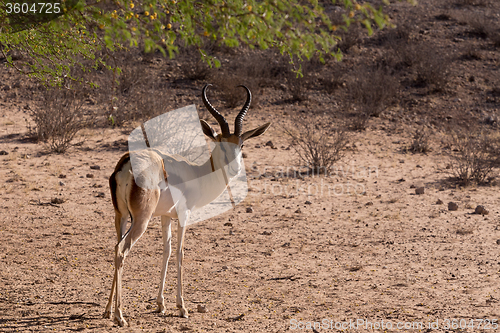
<point x="62" y="183"/>
<point x="452" y="205"/>
<point x="95" y="167"/>
<point x="412" y="186"/>
<point x="308" y="202"/>
<point x="100" y="195"/>
<point x="244" y="155"/>
<point x="224" y="267"/>
<point x="3" y="152"/>
<point x="439" y="202"/>
<point x="62" y="176"/>
<point x="58" y="244"/>
<point x="202" y="308"/>
<point x="298" y="211"/>
<point x="419" y="190"/>
<point x="267" y="233"/>
<point x="57" y="201"/>
<point x="231" y="233"/>
<point x="228" y="224"/>
<point x="498" y="241"/>
<point x="369" y="203"/>
<point x="249" y="210"/>
<point x="257" y="146"/>
<point x="89" y="175"/>
<point x="481" y="210"/>
<point x="269" y="144"/>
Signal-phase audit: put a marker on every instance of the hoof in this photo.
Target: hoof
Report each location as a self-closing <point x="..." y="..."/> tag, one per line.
<point x="161" y="309"/>
<point x="107" y="315"/>
<point x="183" y="313"/>
<point x="120" y="321"/>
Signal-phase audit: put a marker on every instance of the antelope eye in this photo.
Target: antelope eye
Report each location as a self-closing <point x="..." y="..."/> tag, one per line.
<point x="242" y="146"/>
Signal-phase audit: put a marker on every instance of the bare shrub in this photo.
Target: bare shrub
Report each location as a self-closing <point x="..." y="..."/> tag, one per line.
<point x="369" y="93"/>
<point x="477" y="3"/>
<point x="297" y="86"/>
<point x="317" y="142"/>
<point x="192" y="66"/>
<point x="58" y="118"/>
<point x="195" y="70"/>
<point x="129" y="79"/>
<point x="230" y="93"/>
<point x="431" y="67"/>
<point x="398" y="35"/>
<point x="474" y="155"/>
<point x="471" y="53"/>
<point x="480" y="25"/>
<point x="421" y="141"/>
<point x="350" y="38"/>
<point x="332" y="78"/>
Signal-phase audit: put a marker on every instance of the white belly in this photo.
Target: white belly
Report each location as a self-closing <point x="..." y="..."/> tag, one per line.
<point x="166" y="204"/>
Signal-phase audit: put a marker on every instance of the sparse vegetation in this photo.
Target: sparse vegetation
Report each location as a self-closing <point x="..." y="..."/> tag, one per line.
<point x="318" y="143"/>
<point x="370" y="91"/>
<point x="474" y="154"/>
<point x="58" y="118"/>
<point x="421" y="141"/>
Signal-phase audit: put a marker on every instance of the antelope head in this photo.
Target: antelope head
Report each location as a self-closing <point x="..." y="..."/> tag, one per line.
<point x="227" y="151"/>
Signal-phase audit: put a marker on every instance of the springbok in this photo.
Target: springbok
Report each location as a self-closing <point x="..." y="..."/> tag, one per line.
<point x="131" y="197"/>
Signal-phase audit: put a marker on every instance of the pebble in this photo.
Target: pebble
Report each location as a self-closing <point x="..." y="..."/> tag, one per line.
<point x="481" y="210"/>
<point x="419" y="190"/>
<point x="439" y="202"/>
<point x="249" y="210"/>
<point x="95" y="167"/>
<point x="89" y="175"/>
<point x="57" y="201"/>
<point x="202" y="308"/>
<point x="452" y="206"/>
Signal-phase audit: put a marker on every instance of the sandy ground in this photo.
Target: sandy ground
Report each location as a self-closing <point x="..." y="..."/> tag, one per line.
<point x="357" y="245"/>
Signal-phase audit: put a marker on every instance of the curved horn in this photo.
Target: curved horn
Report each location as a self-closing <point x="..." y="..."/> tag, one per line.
<point x="238" y="123"/>
<point x="220" y="118"/>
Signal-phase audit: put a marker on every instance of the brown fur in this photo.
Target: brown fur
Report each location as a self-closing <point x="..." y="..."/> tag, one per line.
<point x="112" y="180"/>
<point x="119" y="166"/>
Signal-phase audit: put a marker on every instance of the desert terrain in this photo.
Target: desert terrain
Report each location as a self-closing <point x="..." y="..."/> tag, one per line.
<point x="356" y="245"/>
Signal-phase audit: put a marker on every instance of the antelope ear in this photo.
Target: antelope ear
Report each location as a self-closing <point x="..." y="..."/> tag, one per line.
<point x="208" y="130"/>
<point x="255" y="132"/>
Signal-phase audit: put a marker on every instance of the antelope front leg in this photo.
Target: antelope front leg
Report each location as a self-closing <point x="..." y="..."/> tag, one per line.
<point x="180" y="256"/>
<point x="167" y="250"/>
